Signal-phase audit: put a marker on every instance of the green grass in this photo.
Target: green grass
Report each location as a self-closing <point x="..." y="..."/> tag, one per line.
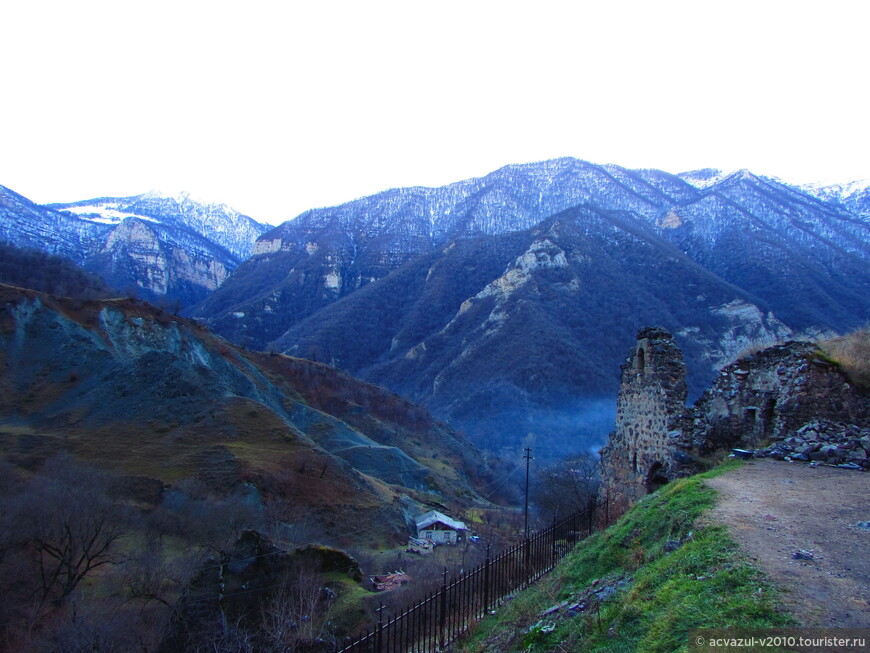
<point x="348" y="611"/>
<point x="706" y="582"/>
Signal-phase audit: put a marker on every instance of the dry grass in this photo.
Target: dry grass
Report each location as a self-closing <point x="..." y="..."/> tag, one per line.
<point x="852" y="353"/>
<point x="757" y="346"/>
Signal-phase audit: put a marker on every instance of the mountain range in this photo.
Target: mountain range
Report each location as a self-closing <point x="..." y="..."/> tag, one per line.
<point x="502" y="303"/>
<point x="167" y="249"/>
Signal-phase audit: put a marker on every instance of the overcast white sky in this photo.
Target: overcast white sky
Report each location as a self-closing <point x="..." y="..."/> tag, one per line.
<point x="276" y="107"/>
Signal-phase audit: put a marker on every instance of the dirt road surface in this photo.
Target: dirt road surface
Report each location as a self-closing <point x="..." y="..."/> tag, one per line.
<point x="778" y="509"/>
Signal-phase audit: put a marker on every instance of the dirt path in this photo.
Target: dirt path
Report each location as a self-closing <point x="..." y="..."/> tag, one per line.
<point x="775" y="509"/>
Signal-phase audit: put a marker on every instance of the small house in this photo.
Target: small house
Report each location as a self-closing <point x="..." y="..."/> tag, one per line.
<point x="438" y="528"/>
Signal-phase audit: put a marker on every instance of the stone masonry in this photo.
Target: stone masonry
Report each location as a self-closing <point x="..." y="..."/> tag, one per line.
<point x="761" y="403"/>
<point x="652" y="396"/>
<point x="765" y="397"/>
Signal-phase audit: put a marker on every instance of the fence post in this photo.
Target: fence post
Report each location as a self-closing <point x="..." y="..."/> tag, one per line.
<point x="526" y="555"/>
<point x="555" y="555"/>
<point x="442" y="622"/>
<point x="380" y="635"/>
<point x="486" y="583"/>
<point x="590" y="515"/>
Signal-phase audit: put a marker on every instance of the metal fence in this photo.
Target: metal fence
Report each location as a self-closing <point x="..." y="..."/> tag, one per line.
<point x="438" y="620"/>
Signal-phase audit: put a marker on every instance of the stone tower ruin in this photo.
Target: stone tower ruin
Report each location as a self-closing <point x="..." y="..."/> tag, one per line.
<point x="640" y="456"/>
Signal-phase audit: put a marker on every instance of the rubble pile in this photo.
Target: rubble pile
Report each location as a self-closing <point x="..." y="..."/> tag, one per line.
<point x="825" y="442"/>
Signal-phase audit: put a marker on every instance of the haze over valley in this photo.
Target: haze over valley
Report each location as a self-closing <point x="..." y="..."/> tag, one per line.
<point x="502" y="303"/>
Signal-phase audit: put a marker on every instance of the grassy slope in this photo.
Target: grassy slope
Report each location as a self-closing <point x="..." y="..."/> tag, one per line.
<point x="706" y="582"/>
<point x="172" y="419"/>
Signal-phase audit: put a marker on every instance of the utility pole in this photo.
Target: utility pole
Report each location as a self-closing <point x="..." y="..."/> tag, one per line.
<point x="528" y="457"/>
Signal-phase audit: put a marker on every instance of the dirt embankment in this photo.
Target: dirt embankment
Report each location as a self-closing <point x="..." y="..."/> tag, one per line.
<point x="802" y="526"/>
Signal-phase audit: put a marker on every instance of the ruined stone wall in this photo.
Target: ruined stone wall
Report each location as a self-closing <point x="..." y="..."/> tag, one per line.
<point x="652" y="395"/>
<point x="765" y="397"/>
<point x="760" y="399"/>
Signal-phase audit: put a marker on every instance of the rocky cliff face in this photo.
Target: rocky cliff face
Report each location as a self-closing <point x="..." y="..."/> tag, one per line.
<point x="158" y="264"/>
<point x="785" y="401"/>
<point x="217" y="223"/>
<point x="171" y="250"/>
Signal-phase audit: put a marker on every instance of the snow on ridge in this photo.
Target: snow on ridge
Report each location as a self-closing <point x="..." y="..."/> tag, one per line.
<point x="104" y="213"/>
<point x="839" y="191"/>
<point x="706" y="177"/>
<point x="180" y="196"/>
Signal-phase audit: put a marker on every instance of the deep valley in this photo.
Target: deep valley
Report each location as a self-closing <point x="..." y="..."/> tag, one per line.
<point x="235" y="436"/>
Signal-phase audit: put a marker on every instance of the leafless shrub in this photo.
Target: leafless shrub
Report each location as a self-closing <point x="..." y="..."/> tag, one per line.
<point x="67" y="523"/>
<point x="202" y="519"/>
<point x="228" y="638"/>
<point x="287" y="522"/>
<point x="151" y="575"/>
<point x="756" y="346"/>
<point x="90" y="626"/>
<point x="298" y="613"/>
<point x="565" y="487"/>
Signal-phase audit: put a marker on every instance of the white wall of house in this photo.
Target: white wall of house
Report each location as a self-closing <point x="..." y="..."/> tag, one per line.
<point x="439" y="536"/>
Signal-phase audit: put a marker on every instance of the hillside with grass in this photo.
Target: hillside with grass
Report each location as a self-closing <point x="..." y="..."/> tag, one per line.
<point x="146" y="394"/>
<point x="154" y="472"/>
<point x="640" y="585"/>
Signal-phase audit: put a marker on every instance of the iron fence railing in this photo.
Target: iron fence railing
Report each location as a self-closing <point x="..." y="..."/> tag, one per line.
<point x="436" y="621"/>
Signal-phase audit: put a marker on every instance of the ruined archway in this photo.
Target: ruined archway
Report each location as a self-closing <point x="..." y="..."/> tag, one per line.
<point x="656" y="477"/>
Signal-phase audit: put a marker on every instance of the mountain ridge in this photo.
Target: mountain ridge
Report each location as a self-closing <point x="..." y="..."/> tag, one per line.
<point x="755" y="258"/>
<point x="128" y="386"/>
<point x="163" y="249"/>
<point x="780" y="262"/>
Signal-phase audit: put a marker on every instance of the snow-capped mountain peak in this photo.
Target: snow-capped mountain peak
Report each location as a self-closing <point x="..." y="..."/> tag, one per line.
<point x="705" y="177"/>
<point x="854" y="195"/>
<point x="103" y="212"/>
<point x="218" y="222"/>
<point x="183" y="196"/>
<point x="840" y="191"/>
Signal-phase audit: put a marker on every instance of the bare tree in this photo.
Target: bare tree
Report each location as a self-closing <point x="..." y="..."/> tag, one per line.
<point x="67" y="523"/>
<point x="93" y="625"/>
<point x="298" y="613"/>
<point x="288" y="522"/>
<point x="565" y="487"/>
<point x="229" y="638"/>
<point x="150" y="575"/>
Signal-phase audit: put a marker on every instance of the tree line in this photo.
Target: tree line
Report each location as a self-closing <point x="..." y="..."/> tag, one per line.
<point x="48" y="273"/>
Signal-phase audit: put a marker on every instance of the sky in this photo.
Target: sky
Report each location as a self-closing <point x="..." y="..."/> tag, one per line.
<point x="277" y="107"/>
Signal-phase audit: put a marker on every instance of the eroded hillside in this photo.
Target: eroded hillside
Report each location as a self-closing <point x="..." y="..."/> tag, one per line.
<point x="150" y="395"/>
